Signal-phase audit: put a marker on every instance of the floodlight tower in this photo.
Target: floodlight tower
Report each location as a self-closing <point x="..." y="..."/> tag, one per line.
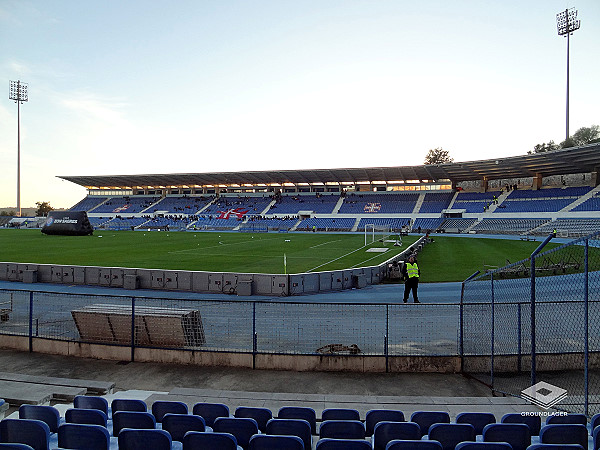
<point x="18" y="93"/>
<point x="567" y="22"/>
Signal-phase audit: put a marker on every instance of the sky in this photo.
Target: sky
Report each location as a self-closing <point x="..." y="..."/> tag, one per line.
<point x="147" y="86"/>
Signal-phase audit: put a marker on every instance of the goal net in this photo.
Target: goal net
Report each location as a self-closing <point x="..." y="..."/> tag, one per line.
<point x="380" y="233"/>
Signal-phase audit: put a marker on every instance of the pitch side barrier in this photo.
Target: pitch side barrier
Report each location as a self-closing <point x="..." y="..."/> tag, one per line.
<point x="203" y="282"/>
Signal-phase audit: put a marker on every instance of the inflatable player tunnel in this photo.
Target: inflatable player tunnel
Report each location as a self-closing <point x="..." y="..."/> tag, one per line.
<point x="68" y="223"/>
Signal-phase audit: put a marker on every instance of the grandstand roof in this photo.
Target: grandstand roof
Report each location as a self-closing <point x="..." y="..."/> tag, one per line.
<point x="559" y="162"/>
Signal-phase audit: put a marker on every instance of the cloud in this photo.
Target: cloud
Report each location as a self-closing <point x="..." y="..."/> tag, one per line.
<point x="91" y="106"/>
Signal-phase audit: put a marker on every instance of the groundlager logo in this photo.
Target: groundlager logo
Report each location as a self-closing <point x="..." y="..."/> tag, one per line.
<point x="544" y="394"/>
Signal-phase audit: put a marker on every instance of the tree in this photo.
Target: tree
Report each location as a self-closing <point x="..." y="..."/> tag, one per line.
<point x="43" y="209"/>
<point x="586" y="135"/>
<point x="437" y="156"/>
<point x="7" y="213"/>
<point x="543" y="147"/>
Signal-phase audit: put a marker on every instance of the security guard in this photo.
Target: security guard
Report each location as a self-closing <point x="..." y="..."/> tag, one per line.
<point x="411" y="273"/>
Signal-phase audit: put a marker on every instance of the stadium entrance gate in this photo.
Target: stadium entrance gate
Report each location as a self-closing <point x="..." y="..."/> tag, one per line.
<point x="530" y="329"/>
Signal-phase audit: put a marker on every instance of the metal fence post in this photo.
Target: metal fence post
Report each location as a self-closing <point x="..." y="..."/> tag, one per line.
<point x="586" y="330"/>
<point x="254" y="340"/>
<point x="461" y="332"/>
<point x="30" y="321"/>
<point x="519" y="337"/>
<point x="493" y="330"/>
<point x="386" y="340"/>
<point x="132" y="329"/>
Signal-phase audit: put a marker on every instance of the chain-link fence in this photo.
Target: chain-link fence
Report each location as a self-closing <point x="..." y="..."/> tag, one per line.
<point x="297" y="328"/>
<point x="538" y="320"/>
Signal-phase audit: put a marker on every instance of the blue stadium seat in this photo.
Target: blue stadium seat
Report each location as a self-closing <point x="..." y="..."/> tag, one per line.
<point x="596" y="438"/>
<point x="86" y="416"/>
<point x="130" y="439"/>
<point x="194" y="440"/>
<point x="261" y="415"/>
<point x="127" y="404"/>
<point x="427" y="418"/>
<point x="339" y="414"/>
<point x="78" y="436"/>
<point x="594" y="422"/>
<point x="567" y="419"/>
<point x="555" y="447"/>
<point x="342" y="444"/>
<point x="342" y="429"/>
<point x="210" y="411"/>
<point x="451" y="434"/>
<point x="179" y="424"/>
<point x="299" y="412"/>
<point x="478" y="419"/>
<point x="533" y="422"/>
<point x="132" y="419"/>
<point x="242" y="428"/>
<point x="34" y="433"/>
<point x="374" y="416"/>
<point x="268" y="442"/>
<point x="162" y="407"/>
<point x="47" y="414"/>
<point x="413" y="445"/>
<point x="91" y="402"/>
<point x="385" y="432"/>
<point x="291" y="427"/>
<point x="483" y="446"/>
<point x="14" y="446"/>
<point x="564" y="434"/>
<point x="518" y="435"/>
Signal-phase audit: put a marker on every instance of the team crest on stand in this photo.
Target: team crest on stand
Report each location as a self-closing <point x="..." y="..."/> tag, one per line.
<point x="372" y="207"/>
<point x="237" y="212"/>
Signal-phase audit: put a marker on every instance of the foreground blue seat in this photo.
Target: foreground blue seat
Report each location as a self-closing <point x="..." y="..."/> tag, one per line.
<point x="580" y="419"/>
<point x="14" y="446"/>
<point x="342" y="429"/>
<point x="427" y="418"/>
<point x="596" y="438"/>
<point x="451" y="434"/>
<point x="78" y="436"/>
<point x="594" y="422"/>
<point x="130" y="439"/>
<point x="518" y="435"/>
<point x="339" y="414"/>
<point x="34" y="433"/>
<point x="261" y="415"/>
<point x="127" y="404"/>
<point x="242" y="428"/>
<point x="555" y="447"/>
<point x="390" y="431"/>
<point x="342" y="444"/>
<point x="374" y="416"/>
<point x="564" y="434"/>
<point x="162" y="407"/>
<point x="268" y="442"/>
<point x="86" y="416"/>
<point x="210" y="411"/>
<point x="483" y="446"/>
<point x="533" y="422"/>
<point x="91" y="402"/>
<point x="299" y="412"/>
<point x="414" y="445"/>
<point x="478" y="419"/>
<point x="47" y="414"/>
<point x="179" y="424"/>
<point x="209" y="441"/>
<point x="132" y="419"/>
<point x="291" y="427"/>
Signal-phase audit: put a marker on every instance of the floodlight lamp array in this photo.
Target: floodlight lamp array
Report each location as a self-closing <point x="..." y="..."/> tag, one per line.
<point x="18" y="91"/>
<point x="567" y="22"/>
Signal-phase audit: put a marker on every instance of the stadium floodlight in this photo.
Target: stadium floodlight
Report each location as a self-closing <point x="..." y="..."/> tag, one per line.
<point x="566" y="23"/>
<point x="18" y="93"/>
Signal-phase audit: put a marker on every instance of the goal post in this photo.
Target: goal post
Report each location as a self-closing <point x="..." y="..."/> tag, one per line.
<point x="374" y="233"/>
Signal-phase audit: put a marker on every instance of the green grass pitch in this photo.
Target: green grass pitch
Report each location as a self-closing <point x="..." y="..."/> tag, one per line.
<point x="214" y="251"/>
<point x="446" y="259"/>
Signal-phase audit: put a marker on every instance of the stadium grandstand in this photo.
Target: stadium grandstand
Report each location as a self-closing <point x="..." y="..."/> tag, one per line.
<point x="525" y="195"/>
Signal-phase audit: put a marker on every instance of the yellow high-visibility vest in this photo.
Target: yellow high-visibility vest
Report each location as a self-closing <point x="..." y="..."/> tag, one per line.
<point x="412" y="270"/>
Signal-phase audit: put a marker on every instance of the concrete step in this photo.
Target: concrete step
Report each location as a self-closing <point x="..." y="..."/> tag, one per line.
<point x="91" y="386"/>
